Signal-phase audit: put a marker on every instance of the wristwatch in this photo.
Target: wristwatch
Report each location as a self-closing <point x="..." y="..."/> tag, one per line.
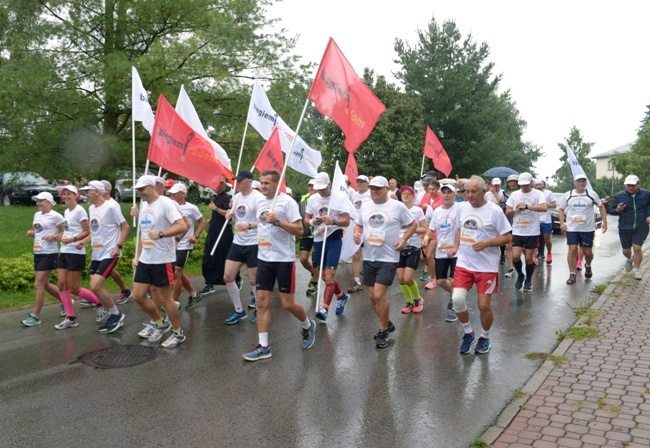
<point x="161" y="234"/>
<point x="333" y="222"/>
<point x="276" y="223"/>
<point x="250" y="226"/>
<point x="119" y="246"/>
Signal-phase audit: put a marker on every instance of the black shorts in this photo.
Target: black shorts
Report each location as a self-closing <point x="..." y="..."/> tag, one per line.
<point x="582" y="239"/>
<point x="282" y="271"/>
<point x="445" y="267"/>
<point x="45" y="262"/>
<point x="72" y="262"/>
<point x="630" y="237"/>
<point x="306" y="243"/>
<point x="154" y="274"/>
<point x="243" y="254"/>
<point x="409" y="258"/>
<point x="103" y="267"/>
<point x="527" y="242"/>
<point x="181" y="257"/>
<point x="379" y="272"/>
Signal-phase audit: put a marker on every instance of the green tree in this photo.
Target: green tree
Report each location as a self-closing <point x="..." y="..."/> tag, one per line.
<point x="637" y="160"/>
<point x="66" y="78"/>
<point x="563" y="176"/>
<point x="453" y="79"/>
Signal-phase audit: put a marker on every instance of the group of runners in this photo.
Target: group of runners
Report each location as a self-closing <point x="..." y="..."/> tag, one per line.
<point x="460" y="230"/>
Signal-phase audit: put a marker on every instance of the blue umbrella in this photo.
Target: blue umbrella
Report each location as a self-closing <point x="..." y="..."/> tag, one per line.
<point x="499" y="171"/>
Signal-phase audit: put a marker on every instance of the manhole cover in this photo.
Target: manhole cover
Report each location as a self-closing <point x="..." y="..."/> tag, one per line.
<point x="119" y="356"/>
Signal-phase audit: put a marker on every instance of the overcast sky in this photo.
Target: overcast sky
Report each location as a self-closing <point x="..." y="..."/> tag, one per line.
<point x="566" y="62"/>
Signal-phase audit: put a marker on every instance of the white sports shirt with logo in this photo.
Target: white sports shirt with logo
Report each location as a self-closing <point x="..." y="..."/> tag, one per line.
<point x="158" y="215"/>
<point x="444" y="223"/>
<point x="358" y="199"/>
<point x="72" y="228"/>
<point x="480" y="224"/>
<point x="274" y="243"/>
<point x="525" y="222"/>
<point x="105" y="230"/>
<point x="244" y="210"/>
<point x="579" y="210"/>
<point x="318" y="206"/>
<point x="192" y="213"/>
<point x="46" y="224"/>
<point x="418" y="215"/>
<point x="382" y="224"/>
<point x="547" y="216"/>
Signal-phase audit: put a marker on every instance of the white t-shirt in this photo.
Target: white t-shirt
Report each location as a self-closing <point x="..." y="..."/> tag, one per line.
<point x="444" y="223"/>
<point x="546" y="217"/>
<point x="317" y="206"/>
<point x="525" y="222"/>
<point x="579" y="210"/>
<point x="418" y="215"/>
<point x="72" y="227"/>
<point x="491" y="197"/>
<point x="46" y="224"/>
<point x="158" y="216"/>
<point x="359" y="199"/>
<point x="192" y="213"/>
<point x="382" y="225"/>
<point x="244" y="210"/>
<point x="480" y="224"/>
<point x="105" y="230"/>
<point x="275" y="244"/>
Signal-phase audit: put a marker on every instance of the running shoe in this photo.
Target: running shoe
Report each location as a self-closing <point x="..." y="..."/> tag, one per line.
<point x="159" y="330"/>
<point x="236" y="317"/>
<point x="100" y="313"/>
<point x="124" y="297"/>
<point x="408" y="308"/>
<point x="207" y="289"/>
<point x="571" y="280"/>
<point x="637" y="274"/>
<point x="31" y="320"/>
<point x="466" y="345"/>
<point x="62" y="312"/>
<point x="254" y="318"/>
<point x="322" y="314"/>
<point x="308" y="336"/>
<point x="588" y="272"/>
<point x="629" y="264"/>
<point x="67" y="323"/>
<point x="528" y="286"/>
<point x="355" y="287"/>
<point x="451" y="314"/>
<point x="511" y="273"/>
<point x="174" y="339"/>
<point x="312" y="288"/>
<point x="114" y="322"/>
<point x="425" y="276"/>
<point x="340" y="304"/>
<point x="252" y="304"/>
<point x="520" y="282"/>
<point x="148" y="330"/>
<point x="193" y="300"/>
<point x="258" y="353"/>
<point x="579" y="265"/>
<point x="391" y="327"/>
<point x="549" y="258"/>
<point x="381" y="339"/>
<point x="85" y="302"/>
<point x="418" y="305"/>
<point x="430" y="284"/>
<point x="482" y="346"/>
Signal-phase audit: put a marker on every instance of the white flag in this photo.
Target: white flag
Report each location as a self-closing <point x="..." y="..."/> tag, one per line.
<point x="341" y="201"/>
<point x="575" y="165"/>
<point x="141" y="109"/>
<point x="186" y="110"/>
<point x="263" y="118"/>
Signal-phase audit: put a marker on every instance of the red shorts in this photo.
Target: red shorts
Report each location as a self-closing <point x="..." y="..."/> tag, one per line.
<point x="486" y="282"/>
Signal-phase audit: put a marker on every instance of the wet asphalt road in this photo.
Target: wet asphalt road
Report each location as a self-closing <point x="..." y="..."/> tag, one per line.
<point x="343" y="392"/>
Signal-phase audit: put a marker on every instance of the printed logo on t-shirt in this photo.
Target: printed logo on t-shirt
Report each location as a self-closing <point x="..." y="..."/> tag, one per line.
<point x="38" y="227"/>
<point x="377" y="221"/>
<point x="66" y="226"/>
<point x="147" y="220"/>
<point x="470" y="224"/>
<point x="323" y="211"/>
<point x="358" y="204"/>
<point x="95" y="224"/>
<point x="579" y="205"/>
<point x="242" y="211"/>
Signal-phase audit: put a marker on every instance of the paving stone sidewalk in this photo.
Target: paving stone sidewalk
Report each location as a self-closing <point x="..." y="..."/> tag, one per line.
<point x="599" y="396"/>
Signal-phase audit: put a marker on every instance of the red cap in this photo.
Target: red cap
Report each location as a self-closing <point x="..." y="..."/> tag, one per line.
<point x="169" y="183"/>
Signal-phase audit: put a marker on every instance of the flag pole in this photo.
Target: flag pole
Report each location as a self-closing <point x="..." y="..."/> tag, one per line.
<point x="320" y="269"/>
<point x="137" y="227"/>
<point x="422" y="168"/>
<point x="133" y="159"/>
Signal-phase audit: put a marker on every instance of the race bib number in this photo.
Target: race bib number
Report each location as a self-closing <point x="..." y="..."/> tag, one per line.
<point x="522" y="220"/>
<point x="579" y="219"/>
<point x="468" y="236"/>
<point x="97" y="242"/>
<point x="38" y="244"/>
<point x="264" y="239"/>
<point x="376" y="237"/>
<point x="446" y="244"/>
<point x="67" y="235"/>
<point x="147" y="243"/>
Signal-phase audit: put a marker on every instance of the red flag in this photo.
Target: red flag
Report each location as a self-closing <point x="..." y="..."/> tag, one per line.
<point x="175" y="147"/>
<point x="433" y="149"/>
<point x="270" y="157"/>
<point x="351" y="170"/>
<point x="340" y="94"/>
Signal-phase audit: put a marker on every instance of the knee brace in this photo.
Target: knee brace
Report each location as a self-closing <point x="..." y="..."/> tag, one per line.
<point x="458" y="298"/>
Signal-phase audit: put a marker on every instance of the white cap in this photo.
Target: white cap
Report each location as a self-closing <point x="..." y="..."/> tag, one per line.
<point x="311" y="182"/>
<point x="362" y="177"/>
<point x="632" y="179"/>
<point x="71" y="188"/>
<point x="379" y="181"/>
<point x="45" y="196"/>
<point x="107" y="185"/>
<point x="94" y="185"/>
<point x="525" y="179"/>
<point x="451" y="187"/>
<point x="146" y="180"/>
<point x="159" y="180"/>
<point x="321" y="181"/>
<point x="177" y="187"/>
<point x="580" y="176"/>
<point x="289" y="191"/>
<point x="496" y="181"/>
<point x="514" y="177"/>
<point x="256" y="185"/>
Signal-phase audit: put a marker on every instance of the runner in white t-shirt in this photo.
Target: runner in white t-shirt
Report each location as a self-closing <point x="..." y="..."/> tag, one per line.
<point x="483" y="228"/>
<point x="278" y="224"/>
<point x="358" y="199"/>
<point x="524" y="206"/>
<point x="46" y="226"/>
<point x="379" y="226"/>
<point x="159" y="222"/>
<point x="545" y="222"/>
<point x="244" y="244"/>
<point x="495" y="193"/>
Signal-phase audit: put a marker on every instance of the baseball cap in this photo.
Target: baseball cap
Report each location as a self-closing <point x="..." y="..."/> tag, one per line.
<point x="379" y="181"/>
<point x="525" y="179"/>
<point x="257" y="185"/>
<point x="632" y="179"/>
<point x="243" y="175"/>
<point x="169" y="183"/>
<point x="580" y="176"/>
<point x="178" y="186"/>
<point x="289" y="191"/>
<point x="496" y="181"/>
<point x="362" y="178"/>
<point x="146" y="180"/>
<point x="311" y="182"/>
<point x="93" y="185"/>
<point x="45" y="196"/>
<point x="514" y="177"/>
<point x="321" y="181"/>
<point x="107" y="185"/>
<point x="451" y="187"/>
<point x="71" y="188"/>
<point x="159" y="180"/>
